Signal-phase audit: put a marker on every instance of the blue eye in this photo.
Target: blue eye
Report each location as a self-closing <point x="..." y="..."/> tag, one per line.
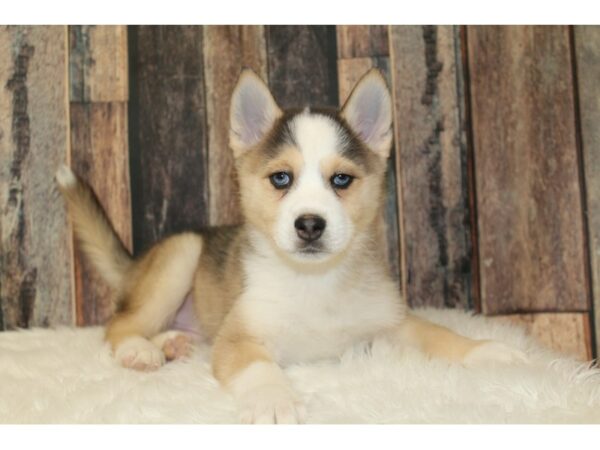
<point x="281" y="180"/>
<point x="341" y="180"/>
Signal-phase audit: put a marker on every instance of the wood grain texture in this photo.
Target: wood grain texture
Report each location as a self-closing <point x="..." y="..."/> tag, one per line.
<point x="302" y="65"/>
<point x="361" y="41"/>
<point x="227" y="49"/>
<point x="567" y="333"/>
<point x="99" y="154"/>
<point x="350" y="71"/>
<point x="36" y="280"/>
<point x="587" y="52"/>
<point x="528" y="188"/>
<point x="431" y="165"/>
<point x="167" y="124"/>
<point x="98" y="63"/>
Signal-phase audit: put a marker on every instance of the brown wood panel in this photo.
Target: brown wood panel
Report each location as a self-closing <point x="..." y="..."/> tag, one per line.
<point x="587" y="51"/>
<point x="528" y="188"/>
<point x="350" y="71"/>
<point x="302" y="65"/>
<point x="99" y="154"/>
<point x="360" y="41"/>
<point x="567" y="333"/>
<point x="98" y="63"/>
<point x="36" y="280"/>
<point x="98" y="81"/>
<point x="167" y="126"/>
<point x="431" y="164"/>
<point x="227" y="49"/>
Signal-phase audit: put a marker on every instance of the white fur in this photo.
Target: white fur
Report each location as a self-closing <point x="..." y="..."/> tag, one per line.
<point x="305" y="314"/>
<point x="69" y="376"/>
<point x="264" y="396"/>
<point x="65" y="176"/>
<point x="318" y="137"/>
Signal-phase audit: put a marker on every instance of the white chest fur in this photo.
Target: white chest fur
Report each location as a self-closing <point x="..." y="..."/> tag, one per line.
<point x="304" y="316"/>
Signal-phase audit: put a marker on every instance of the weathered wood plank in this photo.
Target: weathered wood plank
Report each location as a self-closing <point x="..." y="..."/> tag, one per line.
<point x="587" y="51"/>
<point x="528" y="188"/>
<point x="431" y="163"/>
<point x="36" y="280"/>
<point x="350" y="71"/>
<point x="99" y="144"/>
<point x="168" y="137"/>
<point x="227" y="49"/>
<point x="567" y="333"/>
<point x="302" y="65"/>
<point x="99" y="153"/>
<point x="98" y="63"/>
<point x="362" y="41"/>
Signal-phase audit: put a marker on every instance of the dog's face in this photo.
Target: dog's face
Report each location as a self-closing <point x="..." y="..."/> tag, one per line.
<point x="311" y="180"/>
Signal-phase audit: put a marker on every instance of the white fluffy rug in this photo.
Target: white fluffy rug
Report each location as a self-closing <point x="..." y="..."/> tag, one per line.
<point x="68" y="376"/>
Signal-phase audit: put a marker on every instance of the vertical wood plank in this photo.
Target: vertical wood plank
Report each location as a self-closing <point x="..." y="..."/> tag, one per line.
<point x="362" y="41"/>
<point x="567" y="333"/>
<point x="350" y="71"/>
<point x="431" y="164"/>
<point x="99" y="146"/>
<point x="302" y="65"/>
<point x="587" y="51"/>
<point x="36" y="280"/>
<point x="98" y="63"/>
<point x="528" y="187"/>
<point x="227" y="49"/>
<point x="168" y="137"/>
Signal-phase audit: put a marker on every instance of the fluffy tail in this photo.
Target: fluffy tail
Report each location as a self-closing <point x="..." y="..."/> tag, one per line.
<point x="93" y="230"/>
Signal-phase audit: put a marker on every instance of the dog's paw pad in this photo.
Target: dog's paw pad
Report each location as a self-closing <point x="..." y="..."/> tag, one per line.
<point x="177" y="347"/>
<point x="139" y="354"/>
<point x="492" y="352"/>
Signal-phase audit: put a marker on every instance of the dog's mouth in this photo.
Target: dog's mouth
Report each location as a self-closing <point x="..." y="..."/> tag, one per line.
<point x="312" y="249"/>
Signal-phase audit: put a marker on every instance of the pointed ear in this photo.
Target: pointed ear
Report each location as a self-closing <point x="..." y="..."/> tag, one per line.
<point x="252" y="112"/>
<point x="368" y="111"/>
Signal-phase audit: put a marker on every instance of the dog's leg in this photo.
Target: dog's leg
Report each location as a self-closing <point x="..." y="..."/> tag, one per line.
<point x="440" y="342"/>
<point x="158" y="286"/>
<point x="261" y="389"/>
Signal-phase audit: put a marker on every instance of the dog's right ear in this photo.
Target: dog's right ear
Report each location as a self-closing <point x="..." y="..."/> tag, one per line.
<point x="252" y="113"/>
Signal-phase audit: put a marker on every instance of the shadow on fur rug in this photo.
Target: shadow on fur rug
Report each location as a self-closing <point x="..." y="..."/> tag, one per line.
<point x="68" y="376"/>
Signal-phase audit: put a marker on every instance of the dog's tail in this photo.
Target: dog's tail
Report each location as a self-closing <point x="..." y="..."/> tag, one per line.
<point x="93" y="230"/>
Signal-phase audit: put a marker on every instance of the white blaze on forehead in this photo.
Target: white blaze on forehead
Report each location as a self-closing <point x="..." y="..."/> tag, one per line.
<point x="316" y="136"/>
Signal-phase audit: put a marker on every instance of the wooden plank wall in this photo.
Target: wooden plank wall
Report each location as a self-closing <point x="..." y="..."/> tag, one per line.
<point x="36" y="277"/>
<point x="99" y="94"/>
<point x="494" y="199"/>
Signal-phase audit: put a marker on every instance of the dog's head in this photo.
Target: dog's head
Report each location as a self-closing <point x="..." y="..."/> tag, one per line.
<point x="311" y="180"/>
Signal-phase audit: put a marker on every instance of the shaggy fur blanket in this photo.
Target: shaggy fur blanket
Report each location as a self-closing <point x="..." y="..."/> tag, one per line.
<point x="67" y="375"/>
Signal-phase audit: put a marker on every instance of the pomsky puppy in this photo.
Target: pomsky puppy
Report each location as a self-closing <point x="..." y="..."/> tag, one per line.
<point x="303" y="278"/>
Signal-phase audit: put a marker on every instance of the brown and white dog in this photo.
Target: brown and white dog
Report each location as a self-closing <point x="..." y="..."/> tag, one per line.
<point x="303" y="278"/>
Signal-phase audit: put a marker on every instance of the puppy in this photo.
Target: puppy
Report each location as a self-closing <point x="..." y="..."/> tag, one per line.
<point x="303" y="278"/>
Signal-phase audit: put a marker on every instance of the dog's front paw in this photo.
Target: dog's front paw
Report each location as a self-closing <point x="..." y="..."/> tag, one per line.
<point x="271" y="404"/>
<point x="139" y="354"/>
<point x="488" y="352"/>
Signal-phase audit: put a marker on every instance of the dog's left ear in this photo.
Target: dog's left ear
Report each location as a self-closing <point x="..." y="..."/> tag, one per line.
<point x="368" y="111"/>
<point x="252" y="113"/>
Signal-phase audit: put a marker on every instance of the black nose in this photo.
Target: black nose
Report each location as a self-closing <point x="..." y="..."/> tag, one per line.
<point x="309" y="227"/>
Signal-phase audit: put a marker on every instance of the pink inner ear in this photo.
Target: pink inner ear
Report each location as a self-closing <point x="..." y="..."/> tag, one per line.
<point x="368" y="113"/>
<point x="254" y="110"/>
